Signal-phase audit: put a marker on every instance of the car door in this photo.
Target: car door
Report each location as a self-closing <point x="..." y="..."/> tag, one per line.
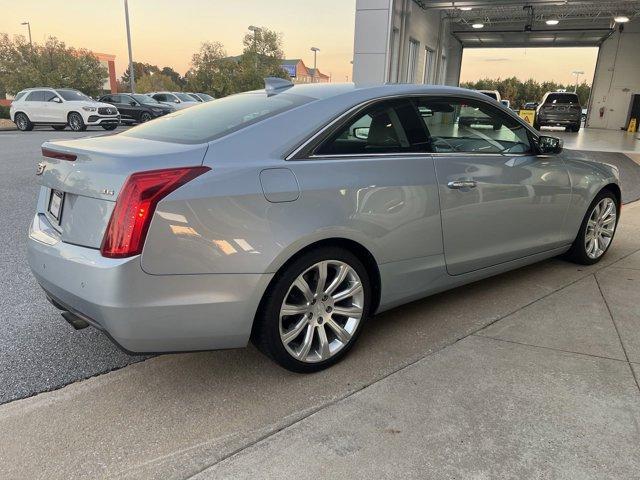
<point x="34" y="106"/>
<point x="54" y="111"/>
<point x="372" y="176"/>
<point x="499" y="200"/>
<point x="123" y="104"/>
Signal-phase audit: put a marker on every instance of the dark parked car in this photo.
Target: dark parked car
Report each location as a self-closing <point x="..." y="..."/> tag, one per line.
<point x="136" y="108"/>
<point x="201" y="97"/>
<point x="559" y="109"/>
<point x="530" y="106"/>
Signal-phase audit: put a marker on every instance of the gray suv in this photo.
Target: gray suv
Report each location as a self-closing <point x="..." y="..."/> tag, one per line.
<point x="559" y="109"/>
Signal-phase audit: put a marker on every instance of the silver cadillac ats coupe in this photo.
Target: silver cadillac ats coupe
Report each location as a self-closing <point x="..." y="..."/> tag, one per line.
<point x="289" y="215"/>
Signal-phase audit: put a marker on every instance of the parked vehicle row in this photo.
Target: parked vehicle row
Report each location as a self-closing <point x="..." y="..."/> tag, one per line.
<point x="62" y="107"/>
<point x="290" y="215"/>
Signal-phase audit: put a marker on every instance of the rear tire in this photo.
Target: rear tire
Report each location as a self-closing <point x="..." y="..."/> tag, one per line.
<point x="58" y="127"/>
<point x="22" y="122"/>
<point x="497" y="126"/>
<point x="536" y="125"/>
<point x="576" y="128"/>
<point x="315" y="334"/>
<point x="599" y="226"/>
<point x="76" y="122"/>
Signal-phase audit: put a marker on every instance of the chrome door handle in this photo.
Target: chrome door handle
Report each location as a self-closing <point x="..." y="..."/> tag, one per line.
<point x="459" y="184"/>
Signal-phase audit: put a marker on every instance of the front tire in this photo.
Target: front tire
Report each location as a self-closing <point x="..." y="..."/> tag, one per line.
<point x="22" y="122"/>
<point x="314" y="310"/>
<point x="76" y="122"/>
<point x="145" y="117"/>
<point x="597" y="230"/>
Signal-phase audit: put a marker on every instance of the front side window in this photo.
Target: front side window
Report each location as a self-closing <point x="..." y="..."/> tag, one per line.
<point x="184" y="97"/>
<point x="49" y="96"/>
<point x="472" y="126"/>
<point x="391" y="126"/>
<point x="73" y="95"/>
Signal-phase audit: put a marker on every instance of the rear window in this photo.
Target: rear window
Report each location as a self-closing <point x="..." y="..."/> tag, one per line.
<point x="211" y="120"/>
<point x="562" y="98"/>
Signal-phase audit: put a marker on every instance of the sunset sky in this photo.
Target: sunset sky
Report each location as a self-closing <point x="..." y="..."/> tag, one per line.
<point x="168" y="32"/>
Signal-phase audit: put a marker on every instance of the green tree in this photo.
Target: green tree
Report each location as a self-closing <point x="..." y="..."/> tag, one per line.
<point x="52" y="64"/>
<point x="156" y="82"/>
<point x="262" y="57"/>
<point x="212" y="71"/>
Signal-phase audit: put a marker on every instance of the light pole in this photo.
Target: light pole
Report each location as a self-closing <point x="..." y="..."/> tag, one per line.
<point x="577" y="74"/>
<point x="132" y="76"/>
<point x="255" y="31"/>
<point x="29" y="27"/>
<point x="315" y="51"/>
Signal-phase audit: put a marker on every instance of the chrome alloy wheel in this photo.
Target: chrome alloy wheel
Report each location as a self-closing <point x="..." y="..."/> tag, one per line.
<point x="321" y="311"/>
<point x="75" y="122"/>
<point x="21" y="122"/>
<point x="600" y="228"/>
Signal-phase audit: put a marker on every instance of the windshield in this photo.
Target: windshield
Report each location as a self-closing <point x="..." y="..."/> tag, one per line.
<point x="144" y="98"/>
<point x="74" y="96"/>
<point x="562" y="98"/>
<point x="184" y="97"/>
<point x="207" y="121"/>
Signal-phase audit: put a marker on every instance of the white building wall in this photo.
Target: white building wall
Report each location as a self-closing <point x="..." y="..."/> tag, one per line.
<point x="375" y="49"/>
<point x="616" y="79"/>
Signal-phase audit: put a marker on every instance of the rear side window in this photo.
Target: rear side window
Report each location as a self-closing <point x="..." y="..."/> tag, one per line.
<point x="562" y="98"/>
<point x="35" y="96"/>
<point x="211" y="120"/>
<point x="387" y="127"/>
<point x="19" y="96"/>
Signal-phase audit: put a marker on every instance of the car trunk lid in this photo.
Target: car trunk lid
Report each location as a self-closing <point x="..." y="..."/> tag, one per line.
<point x="91" y="182"/>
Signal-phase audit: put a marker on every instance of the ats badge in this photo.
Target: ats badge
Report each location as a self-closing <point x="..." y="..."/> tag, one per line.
<point x="40" y="168"/>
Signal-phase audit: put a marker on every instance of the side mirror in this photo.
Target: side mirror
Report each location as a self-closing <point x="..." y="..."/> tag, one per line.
<point x="549" y="145"/>
<point x="133" y="103"/>
<point x="176" y="101"/>
<point x="361" y="133"/>
<point x="57" y="100"/>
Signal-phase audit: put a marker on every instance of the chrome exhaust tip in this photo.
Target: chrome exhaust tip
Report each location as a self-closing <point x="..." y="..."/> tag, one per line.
<point x="74" y="320"/>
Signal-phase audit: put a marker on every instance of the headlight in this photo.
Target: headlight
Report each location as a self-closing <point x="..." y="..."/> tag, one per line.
<point x="89" y="109"/>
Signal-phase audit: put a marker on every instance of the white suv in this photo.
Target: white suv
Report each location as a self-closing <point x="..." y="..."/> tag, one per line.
<point x="60" y="107"/>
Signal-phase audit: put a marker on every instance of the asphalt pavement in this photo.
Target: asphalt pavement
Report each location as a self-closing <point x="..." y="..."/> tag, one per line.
<point x="38" y="350"/>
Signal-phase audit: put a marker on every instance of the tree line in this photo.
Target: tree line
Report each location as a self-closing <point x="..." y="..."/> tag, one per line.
<point x="212" y="70"/>
<point x="519" y="92"/>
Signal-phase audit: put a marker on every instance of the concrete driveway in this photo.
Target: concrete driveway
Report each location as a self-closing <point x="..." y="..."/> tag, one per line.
<point x="526" y="375"/>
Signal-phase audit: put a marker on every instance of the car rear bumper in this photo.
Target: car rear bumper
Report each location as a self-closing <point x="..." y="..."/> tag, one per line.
<point x="559" y="120"/>
<point x="145" y="313"/>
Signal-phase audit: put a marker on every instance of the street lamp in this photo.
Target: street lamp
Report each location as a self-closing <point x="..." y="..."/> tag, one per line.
<point x="315" y="51"/>
<point x="29" y="27"/>
<point x="255" y="30"/>
<point x="132" y="76"/>
<point x="577" y="74"/>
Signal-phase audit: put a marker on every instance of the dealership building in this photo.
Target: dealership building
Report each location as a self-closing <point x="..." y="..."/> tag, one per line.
<point x="422" y="41"/>
<point x="300" y="73"/>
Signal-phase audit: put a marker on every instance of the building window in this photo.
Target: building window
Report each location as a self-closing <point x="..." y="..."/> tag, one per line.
<point x="429" y="66"/>
<point x="412" y="63"/>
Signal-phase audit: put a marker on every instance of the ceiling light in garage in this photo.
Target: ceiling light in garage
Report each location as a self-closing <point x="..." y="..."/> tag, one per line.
<point x="552" y="21"/>
<point x="621" y="19"/>
<point x="466" y="9"/>
<point x="477" y="24"/>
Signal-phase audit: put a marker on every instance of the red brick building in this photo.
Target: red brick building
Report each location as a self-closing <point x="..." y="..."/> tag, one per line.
<point x="108" y="61"/>
<point x="300" y="73"/>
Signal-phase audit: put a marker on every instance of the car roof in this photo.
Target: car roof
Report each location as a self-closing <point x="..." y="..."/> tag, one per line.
<point x="322" y="91"/>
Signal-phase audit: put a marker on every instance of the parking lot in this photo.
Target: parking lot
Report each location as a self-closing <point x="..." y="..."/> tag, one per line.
<point x="517" y="359"/>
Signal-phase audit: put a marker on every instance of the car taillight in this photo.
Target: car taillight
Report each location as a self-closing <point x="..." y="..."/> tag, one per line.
<point x="47" y="152"/>
<point x="135" y="206"/>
